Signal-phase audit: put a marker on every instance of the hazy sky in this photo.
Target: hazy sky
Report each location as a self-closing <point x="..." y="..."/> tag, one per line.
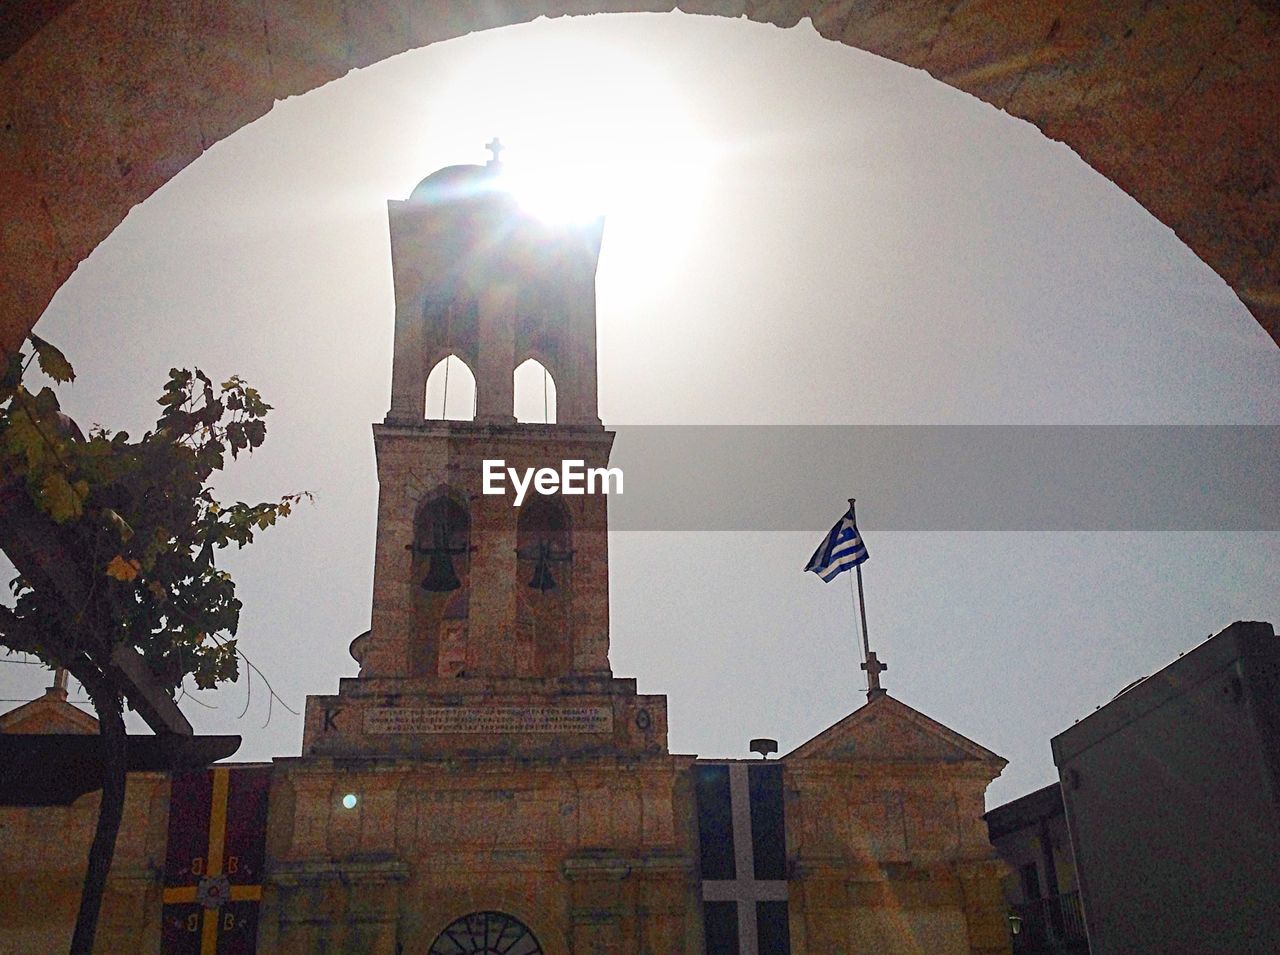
<point x="799" y="233"/>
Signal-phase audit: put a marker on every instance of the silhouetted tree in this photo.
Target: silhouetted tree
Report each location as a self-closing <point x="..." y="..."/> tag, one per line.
<point x="114" y="540"/>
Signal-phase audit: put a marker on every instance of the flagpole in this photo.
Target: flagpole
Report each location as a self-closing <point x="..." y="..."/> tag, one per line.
<point x="872" y="665"/>
<point x="862" y="606"/>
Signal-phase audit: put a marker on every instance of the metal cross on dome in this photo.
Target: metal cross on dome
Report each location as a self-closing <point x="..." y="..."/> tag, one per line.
<point x="495" y="147"/>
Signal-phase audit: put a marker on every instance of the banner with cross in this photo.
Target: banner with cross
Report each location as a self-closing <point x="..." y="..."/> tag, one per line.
<point x="743" y="857"/>
<point x="214" y="861"/>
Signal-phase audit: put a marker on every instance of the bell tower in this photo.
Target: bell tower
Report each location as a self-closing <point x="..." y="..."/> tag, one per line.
<point x="490" y="618"/>
<point x="478" y="278"/>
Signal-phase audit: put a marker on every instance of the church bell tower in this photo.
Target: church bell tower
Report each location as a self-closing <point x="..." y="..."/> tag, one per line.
<point x="485" y="784"/>
<point x="490" y="619"/>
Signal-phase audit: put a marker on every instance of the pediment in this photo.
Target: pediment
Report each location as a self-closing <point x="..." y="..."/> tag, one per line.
<point x="47" y="714"/>
<point x="886" y="730"/>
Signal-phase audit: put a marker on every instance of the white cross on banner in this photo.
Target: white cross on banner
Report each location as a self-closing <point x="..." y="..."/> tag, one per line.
<point x="741" y="830"/>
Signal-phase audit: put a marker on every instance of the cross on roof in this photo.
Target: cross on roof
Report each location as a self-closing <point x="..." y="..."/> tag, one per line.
<point x="874" y="668"/>
<point x="495" y="147"/>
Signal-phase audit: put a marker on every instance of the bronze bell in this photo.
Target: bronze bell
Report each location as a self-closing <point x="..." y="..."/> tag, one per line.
<point x="542" y="579"/>
<point x="441" y="577"/>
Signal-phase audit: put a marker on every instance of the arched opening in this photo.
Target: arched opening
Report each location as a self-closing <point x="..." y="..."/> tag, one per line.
<point x="544" y="587"/>
<point x="441" y="581"/>
<point x="486" y="932"/>
<point x="451" y="391"/>
<point x="535" y="393"/>
<point x="1202" y="180"/>
<point x="700" y="352"/>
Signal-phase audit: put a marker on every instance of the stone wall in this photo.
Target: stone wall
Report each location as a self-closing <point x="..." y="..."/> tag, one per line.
<point x="593" y="855"/>
<point x="106" y="100"/>
<point x="892" y="860"/>
<point x="43" y="852"/>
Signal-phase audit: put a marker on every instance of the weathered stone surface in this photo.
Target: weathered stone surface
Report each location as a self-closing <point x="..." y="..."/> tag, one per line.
<point x="428" y="717"/>
<point x="884" y="828"/>
<point x="42" y="861"/>
<point x="573" y="848"/>
<point x="1178" y="104"/>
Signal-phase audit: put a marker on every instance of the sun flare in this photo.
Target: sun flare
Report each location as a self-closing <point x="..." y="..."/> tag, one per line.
<point x="588" y="131"/>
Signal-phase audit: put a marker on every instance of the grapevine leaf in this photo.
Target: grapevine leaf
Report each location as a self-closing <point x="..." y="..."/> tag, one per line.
<point x="123" y="570"/>
<point x="52" y="362"/>
<point x="60" y="499"/>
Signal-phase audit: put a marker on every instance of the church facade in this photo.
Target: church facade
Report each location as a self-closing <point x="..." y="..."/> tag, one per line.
<point x="486" y="784"/>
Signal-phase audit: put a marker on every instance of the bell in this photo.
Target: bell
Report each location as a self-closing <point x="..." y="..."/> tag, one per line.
<point x="440" y="577"/>
<point x="542" y="579"/>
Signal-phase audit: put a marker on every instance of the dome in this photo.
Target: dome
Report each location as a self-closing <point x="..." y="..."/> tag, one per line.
<point x="453" y="183"/>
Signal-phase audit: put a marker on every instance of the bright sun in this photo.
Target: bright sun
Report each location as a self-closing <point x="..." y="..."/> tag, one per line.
<point x="588" y="131"/>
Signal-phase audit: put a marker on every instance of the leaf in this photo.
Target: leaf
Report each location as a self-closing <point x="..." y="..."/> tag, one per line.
<point x="60" y="499"/>
<point x="123" y="570"/>
<point x="255" y="432"/>
<point x="24" y="438"/>
<point x="236" y="437"/>
<point x="52" y="362"/>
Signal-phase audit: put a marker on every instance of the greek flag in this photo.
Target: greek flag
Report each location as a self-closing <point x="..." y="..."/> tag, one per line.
<point x="842" y="550"/>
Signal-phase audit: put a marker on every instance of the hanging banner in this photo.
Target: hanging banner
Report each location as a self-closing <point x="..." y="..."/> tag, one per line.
<point x="214" y="861"/>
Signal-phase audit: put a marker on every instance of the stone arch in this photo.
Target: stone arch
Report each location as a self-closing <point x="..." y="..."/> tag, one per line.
<point x="494" y="930"/>
<point x="441" y="583"/>
<point x="544" y="588"/>
<point x="1175" y="104"/>
<point x="535" y="392"/>
<point x="451" y="390"/>
<point x="453" y="319"/>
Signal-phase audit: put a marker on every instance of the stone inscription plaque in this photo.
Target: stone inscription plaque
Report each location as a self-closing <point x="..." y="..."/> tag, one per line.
<point x="489" y="719"/>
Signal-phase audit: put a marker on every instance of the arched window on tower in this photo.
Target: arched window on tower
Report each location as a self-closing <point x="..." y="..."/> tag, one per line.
<point x="451" y="391"/>
<point x="544" y="588"/>
<point x="441" y="581"/>
<point x="535" y="393"/>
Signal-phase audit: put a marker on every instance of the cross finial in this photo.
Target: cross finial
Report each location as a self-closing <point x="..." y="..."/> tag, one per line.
<point x="874" y="668"/>
<point x="495" y="147"/>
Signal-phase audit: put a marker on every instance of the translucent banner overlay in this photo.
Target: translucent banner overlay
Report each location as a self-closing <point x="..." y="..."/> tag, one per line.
<point x="949" y="478"/>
